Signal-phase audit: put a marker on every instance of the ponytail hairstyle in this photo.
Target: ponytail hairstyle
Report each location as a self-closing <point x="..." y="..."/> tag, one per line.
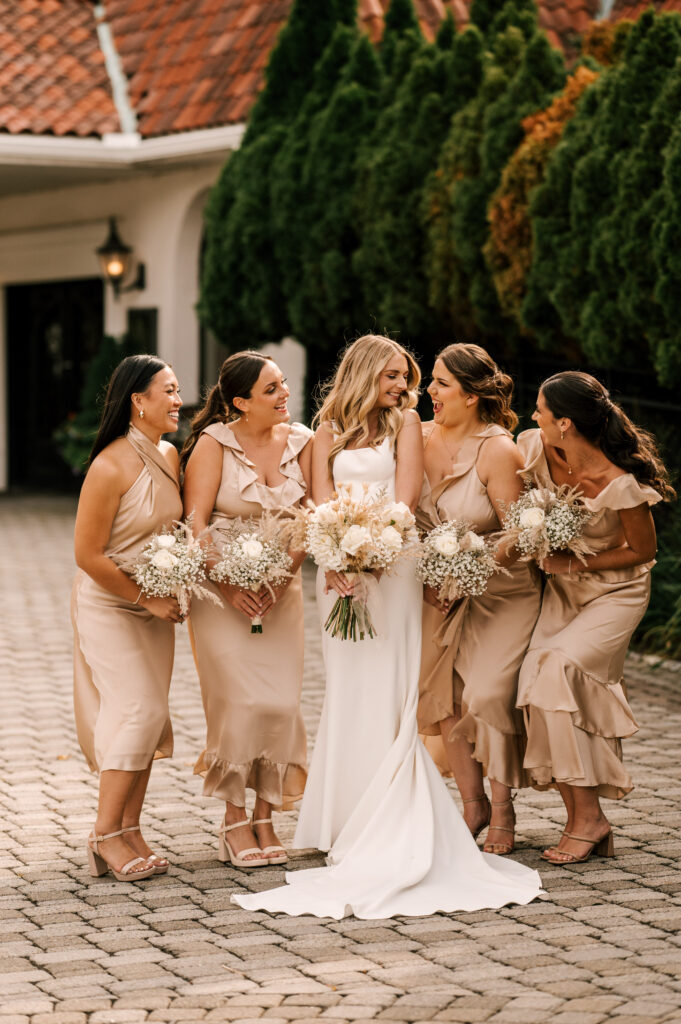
<point x="479" y="375"/>
<point x="132" y="376"/>
<point x="238" y="374"/>
<point x="582" y="399"/>
<point x="353" y="391"/>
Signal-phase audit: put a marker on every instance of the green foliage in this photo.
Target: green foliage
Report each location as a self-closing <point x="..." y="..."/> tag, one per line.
<point x="665" y="334"/>
<point x="660" y="630"/>
<point x="241" y="294"/>
<point x="75" y="436"/>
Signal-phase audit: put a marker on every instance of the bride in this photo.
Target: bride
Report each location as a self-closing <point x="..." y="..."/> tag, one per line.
<point x="374" y="800"/>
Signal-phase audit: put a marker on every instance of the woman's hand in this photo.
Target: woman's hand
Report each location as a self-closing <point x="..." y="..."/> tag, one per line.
<point x="165" y="608"/>
<point x="244" y="601"/>
<point x="560" y="562"/>
<point x="339" y="582"/>
<point x="430" y="596"/>
<point x="269" y="601"/>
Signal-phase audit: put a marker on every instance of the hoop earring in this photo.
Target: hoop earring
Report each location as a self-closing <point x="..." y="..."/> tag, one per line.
<point x="141" y="414"/>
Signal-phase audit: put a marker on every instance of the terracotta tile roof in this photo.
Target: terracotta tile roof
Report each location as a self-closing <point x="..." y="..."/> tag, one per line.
<point x="632" y="9"/>
<point x="189" y="64"/>
<point x="52" y="73"/>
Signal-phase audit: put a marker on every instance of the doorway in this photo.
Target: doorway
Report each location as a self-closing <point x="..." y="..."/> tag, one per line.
<point x="53" y="330"/>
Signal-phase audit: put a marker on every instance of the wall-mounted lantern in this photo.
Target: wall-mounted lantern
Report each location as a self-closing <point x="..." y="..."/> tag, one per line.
<point x="115" y="258"/>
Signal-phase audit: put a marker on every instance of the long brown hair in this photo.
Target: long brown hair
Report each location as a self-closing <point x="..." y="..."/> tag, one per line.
<point x="479" y="375"/>
<point x="581" y="398"/>
<point x="133" y="375"/>
<point x="238" y="374"/>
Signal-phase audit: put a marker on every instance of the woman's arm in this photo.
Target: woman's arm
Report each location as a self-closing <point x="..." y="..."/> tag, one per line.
<point x="497" y="466"/>
<point x="322" y="480"/>
<point x="297" y="557"/>
<point x="639" y="547"/>
<point x="409" y="456"/>
<point x="104" y="485"/>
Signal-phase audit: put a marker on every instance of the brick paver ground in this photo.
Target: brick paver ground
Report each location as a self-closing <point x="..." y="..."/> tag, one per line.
<point x="604" y="945"/>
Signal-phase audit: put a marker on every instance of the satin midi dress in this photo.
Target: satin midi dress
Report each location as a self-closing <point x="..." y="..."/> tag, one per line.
<point x="123" y="655"/>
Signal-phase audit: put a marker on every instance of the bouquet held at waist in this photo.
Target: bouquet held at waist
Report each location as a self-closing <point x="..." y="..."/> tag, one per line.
<point x="543" y="521"/>
<point x="456" y="562"/>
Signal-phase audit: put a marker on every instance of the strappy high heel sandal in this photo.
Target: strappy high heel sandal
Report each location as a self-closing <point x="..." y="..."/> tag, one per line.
<point x="604" y="847"/>
<point x="281" y="854"/>
<point x="501" y="849"/>
<point x="161" y="865"/>
<point x="479" y="800"/>
<point x="99" y="865"/>
<point x="226" y="853"/>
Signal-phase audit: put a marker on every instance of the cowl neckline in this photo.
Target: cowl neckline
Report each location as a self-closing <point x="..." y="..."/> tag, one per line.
<point x="466" y="457"/>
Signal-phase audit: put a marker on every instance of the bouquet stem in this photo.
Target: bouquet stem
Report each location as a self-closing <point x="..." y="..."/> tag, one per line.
<point x="345" y="622"/>
<point x="256" y="624"/>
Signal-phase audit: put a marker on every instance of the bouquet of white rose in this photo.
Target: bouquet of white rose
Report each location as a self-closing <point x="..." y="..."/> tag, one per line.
<point x="357" y="536"/>
<point x="456" y="561"/>
<point x="253" y="555"/>
<point x="542" y="521"/>
<point x="172" y="564"/>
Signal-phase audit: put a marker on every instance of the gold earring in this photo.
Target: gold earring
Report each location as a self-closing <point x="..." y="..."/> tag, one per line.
<point x="141" y="414"/>
<point x="562" y="435"/>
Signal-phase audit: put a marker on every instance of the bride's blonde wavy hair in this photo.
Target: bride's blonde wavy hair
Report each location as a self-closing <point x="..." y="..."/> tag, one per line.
<point x="352" y="393"/>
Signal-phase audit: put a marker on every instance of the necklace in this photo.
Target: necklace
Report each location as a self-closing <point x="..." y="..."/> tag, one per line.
<point x="461" y="442"/>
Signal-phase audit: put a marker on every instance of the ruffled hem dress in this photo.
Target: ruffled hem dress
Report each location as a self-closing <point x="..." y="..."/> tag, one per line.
<point x="251" y="683"/>
<point x="471" y="657"/>
<point x="571" y="688"/>
<point x="123" y="655"/>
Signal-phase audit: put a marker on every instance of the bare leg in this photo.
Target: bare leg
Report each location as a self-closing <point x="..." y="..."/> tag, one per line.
<point x="501" y="835"/>
<point x="132" y="813"/>
<point x="566" y="793"/>
<point x="115" y="788"/>
<point x="467" y="773"/>
<point x="265" y="833"/>
<point x="585" y="818"/>
<point x="240" y="838"/>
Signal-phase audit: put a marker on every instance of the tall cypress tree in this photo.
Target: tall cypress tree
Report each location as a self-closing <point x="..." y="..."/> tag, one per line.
<point x="665" y="336"/>
<point x="241" y="297"/>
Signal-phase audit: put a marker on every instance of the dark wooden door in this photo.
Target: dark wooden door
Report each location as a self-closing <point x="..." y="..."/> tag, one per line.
<point x="53" y="330"/>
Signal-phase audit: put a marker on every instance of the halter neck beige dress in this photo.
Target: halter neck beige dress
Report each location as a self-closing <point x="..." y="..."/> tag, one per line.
<point x="472" y="656"/>
<point x="251" y="683"/>
<point x="571" y="684"/>
<point x="123" y="655"/>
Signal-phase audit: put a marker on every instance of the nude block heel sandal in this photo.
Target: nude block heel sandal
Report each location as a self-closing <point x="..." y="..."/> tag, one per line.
<point x="225" y="852"/>
<point x="161" y="865"/>
<point x="282" y="855"/>
<point x="99" y="865"/>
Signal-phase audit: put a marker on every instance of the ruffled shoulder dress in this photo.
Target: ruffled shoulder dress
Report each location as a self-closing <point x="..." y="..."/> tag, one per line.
<point x="571" y="688"/>
<point x="251" y="683"/>
<point x="471" y="657"/>
<point x="123" y="655"/>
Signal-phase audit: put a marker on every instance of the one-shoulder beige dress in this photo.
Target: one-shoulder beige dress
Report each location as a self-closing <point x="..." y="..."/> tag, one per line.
<point x="472" y="657"/>
<point x="251" y="683"/>
<point x="571" y="686"/>
<point x="123" y="655"/>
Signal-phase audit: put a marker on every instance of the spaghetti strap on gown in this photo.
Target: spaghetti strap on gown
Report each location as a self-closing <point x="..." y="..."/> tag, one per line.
<point x="374" y="800"/>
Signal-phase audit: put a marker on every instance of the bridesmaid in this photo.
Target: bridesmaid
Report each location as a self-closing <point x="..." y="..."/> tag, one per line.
<point x="242" y="458"/>
<point x="471" y="657"/>
<point x="571" y="688"/>
<point x="124" y="641"/>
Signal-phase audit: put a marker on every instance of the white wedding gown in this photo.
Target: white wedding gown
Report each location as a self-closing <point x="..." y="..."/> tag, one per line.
<point x="374" y="798"/>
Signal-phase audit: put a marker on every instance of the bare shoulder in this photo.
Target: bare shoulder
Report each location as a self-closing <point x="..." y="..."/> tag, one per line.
<point x="113" y="470"/>
<point x="499" y="451"/>
<point x="411" y="418"/>
<point x="323" y="436"/>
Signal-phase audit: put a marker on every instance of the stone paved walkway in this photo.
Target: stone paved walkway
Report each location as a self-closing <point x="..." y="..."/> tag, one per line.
<point x="603" y="946"/>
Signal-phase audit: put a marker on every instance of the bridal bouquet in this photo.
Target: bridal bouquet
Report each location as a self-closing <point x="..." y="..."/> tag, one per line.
<point x="456" y="561"/>
<point x="542" y="521"/>
<point x="356" y="536"/>
<point x="254" y="556"/>
<point x="172" y="564"/>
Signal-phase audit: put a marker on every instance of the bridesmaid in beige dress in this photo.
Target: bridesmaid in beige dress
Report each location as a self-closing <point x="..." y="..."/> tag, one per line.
<point x="571" y="688"/>
<point x="124" y="641"/>
<point x="473" y="650"/>
<point x="244" y="457"/>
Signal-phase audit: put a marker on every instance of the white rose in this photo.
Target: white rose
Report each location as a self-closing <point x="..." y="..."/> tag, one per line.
<point x="391" y="539"/>
<point x="399" y="514"/>
<point x="354" y="539"/>
<point x="252" y="548"/>
<point x="325" y="514"/>
<point x="166" y="540"/>
<point x="472" y="542"/>
<point x="446" y="544"/>
<point x="530" y="517"/>
<point x="163" y="559"/>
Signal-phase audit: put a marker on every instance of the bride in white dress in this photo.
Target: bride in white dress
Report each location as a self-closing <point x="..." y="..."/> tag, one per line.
<point x="375" y="801"/>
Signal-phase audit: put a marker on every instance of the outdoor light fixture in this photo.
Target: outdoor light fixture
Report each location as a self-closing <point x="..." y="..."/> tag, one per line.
<point x="115" y="258"/>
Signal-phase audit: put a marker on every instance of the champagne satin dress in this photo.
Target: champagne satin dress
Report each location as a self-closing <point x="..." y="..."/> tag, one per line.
<point x="251" y="683"/>
<point x="571" y="684"/>
<point x="123" y="655"/>
<point x="472" y="656"/>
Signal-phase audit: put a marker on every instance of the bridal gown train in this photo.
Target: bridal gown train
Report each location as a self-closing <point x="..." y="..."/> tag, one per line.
<point x="375" y="801"/>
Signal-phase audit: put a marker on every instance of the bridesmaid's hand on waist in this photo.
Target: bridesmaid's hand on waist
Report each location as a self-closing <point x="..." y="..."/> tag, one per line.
<point x="244" y="601"/>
